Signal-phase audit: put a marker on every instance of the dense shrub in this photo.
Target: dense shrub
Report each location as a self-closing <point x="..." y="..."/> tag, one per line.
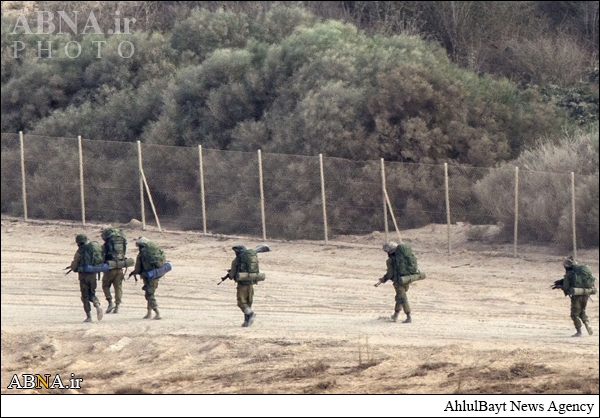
<point x="545" y="191"/>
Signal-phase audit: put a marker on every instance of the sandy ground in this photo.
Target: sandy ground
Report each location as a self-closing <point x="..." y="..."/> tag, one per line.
<point x="483" y="322"/>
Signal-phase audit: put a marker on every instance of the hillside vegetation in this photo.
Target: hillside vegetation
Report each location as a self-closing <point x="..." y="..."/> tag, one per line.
<point x="469" y="83"/>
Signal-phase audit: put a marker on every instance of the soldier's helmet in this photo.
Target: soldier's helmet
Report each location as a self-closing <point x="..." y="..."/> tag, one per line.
<point x="389" y="247"/>
<point x="238" y="248"/>
<point x="81" y="239"/>
<point x="568" y="262"/>
<point x="141" y="241"/>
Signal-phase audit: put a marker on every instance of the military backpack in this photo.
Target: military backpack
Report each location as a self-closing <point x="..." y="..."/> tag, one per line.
<point x="115" y="244"/>
<point x="583" y="278"/>
<point x="405" y="262"/>
<point x="152" y="256"/>
<point x="91" y="255"/>
<point x="248" y="271"/>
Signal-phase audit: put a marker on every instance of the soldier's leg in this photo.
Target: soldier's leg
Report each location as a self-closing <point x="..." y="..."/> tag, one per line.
<point x="575" y="312"/>
<point x="401" y="301"/>
<point x="251" y="315"/>
<point x="91" y="279"/>
<point x="242" y="301"/>
<point x="107" y="279"/>
<point x="150" y="287"/>
<point x="118" y="284"/>
<point x="85" y="299"/>
<point x="583" y="315"/>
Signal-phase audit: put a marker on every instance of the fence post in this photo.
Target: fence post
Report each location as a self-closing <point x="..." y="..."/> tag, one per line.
<point x="323" y="197"/>
<point x="151" y="201"/>
<point x="447" y="203"/>
<point x="573" y="214"/>
<point x="140" y="171"/>
<point x="81" y="188"/>
<point x="202" y="188"/>
<point x="387" y="198"/>
<point x="384" y="189"/>
<point x="23" y="188"/>
<point x="516" y="207"/>
<point x="262" y="196"/>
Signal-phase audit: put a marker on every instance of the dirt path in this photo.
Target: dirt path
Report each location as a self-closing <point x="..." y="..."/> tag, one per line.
<point x="482" y="322"/>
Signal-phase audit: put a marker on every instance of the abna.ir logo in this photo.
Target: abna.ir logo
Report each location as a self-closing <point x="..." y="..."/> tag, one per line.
<point x="39" y="381"/>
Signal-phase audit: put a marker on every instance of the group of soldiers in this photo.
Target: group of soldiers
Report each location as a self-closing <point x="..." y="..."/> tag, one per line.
<point x="113" y="277"/>
<point x="242" y="266"/>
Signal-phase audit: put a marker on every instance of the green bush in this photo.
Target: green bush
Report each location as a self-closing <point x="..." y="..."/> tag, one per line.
<point x="545" y="191"/>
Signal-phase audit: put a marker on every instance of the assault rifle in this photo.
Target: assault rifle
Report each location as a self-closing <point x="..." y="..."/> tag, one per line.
<point x="263" y="248"/>
<point x="69" y="270"/>
<point x="558" y="284"/>
<point x="224" y="278"/>
<point x="381" y="281"/>
<point x="134" y="276"/>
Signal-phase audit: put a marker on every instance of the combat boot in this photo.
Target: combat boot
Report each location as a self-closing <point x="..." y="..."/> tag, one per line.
<point x="408" y="319"/>
<point x="578" y="333"/>
<point x="88" y="317"/>
<point x="99" y="312"/>
<point x="245" y="324"/>
<point x="116" y="310"/>
<point x="588" y="327"/>
<point x="110" y="306"/>
<point x="394" y="317"/>
<point x="149" y="314"/>
<point x="250" y="319"/>
<point x="157" y="316"/>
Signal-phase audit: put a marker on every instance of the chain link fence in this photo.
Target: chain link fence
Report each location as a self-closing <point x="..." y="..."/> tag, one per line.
<point x="276" y="196"/>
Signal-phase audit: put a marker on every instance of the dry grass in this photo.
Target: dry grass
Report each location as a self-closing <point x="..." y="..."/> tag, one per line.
<point x="310" y="370"/>
<point x="130" y="390"/>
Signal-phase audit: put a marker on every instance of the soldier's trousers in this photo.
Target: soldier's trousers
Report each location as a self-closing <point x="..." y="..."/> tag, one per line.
<point x="87" y="285"/>
<point x="150" y="288"/>
<point x="578" y="305"/>
<point x="115" y="278"/>
<point x="401" y="298"/>
<point x="245" y="294"/>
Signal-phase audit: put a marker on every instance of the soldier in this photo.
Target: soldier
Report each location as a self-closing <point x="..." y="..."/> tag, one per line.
<point x="578" y="276"/>
<point x="245" y="289"/>
<point x="114" y="248"/>
<point x="392" y="274"/>
<point x="87" y="281"/>
<point x="146" y="259"/>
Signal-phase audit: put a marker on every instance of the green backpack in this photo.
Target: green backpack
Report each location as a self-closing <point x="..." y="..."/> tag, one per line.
<point x="92" y="255"/>
<point x="248" y="262"/>
<point x="406" y="262"/>
<point x="152" y="256"/>
<point x="115" y="244"/>
<point x="583" y="277"/>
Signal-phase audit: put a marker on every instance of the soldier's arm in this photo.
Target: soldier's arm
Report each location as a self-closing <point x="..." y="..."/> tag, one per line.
<point x="389" y="275"/>
<point x="138" y="265"/>
<point x="232" y="273"/>
<point x="566" y="283"/>
<point x="75" y="262"/>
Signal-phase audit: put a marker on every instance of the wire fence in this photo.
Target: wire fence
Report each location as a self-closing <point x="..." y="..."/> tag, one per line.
<point x="277" y="196"/>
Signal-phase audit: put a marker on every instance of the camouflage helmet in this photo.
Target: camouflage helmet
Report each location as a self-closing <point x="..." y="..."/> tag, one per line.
<point x="568" y="262"/>
<point x="389" y="247"/>
<point x="141" y="241"/>
<point x="81" y="239"/>
<point x="238" y="248"/>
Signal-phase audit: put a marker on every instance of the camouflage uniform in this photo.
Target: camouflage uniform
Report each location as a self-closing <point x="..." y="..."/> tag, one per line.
<point x="115" y="278"/>
<point x="87" y="283"/>
<point x="401" y="297"/>
<point x="150" y="286"/>
<point x="245" y="292"/>
<point x="578" y="303"/>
